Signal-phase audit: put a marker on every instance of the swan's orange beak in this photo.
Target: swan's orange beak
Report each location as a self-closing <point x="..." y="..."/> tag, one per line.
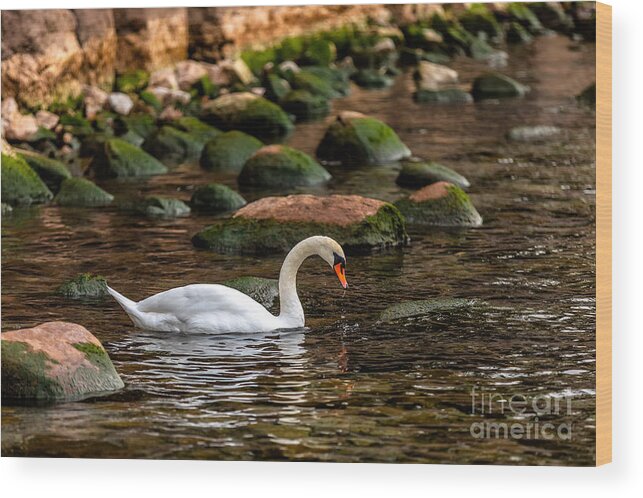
<point x="341" y="274"/>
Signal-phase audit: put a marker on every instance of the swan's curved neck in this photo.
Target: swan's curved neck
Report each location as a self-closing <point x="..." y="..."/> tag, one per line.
<point x="290" y="305"/>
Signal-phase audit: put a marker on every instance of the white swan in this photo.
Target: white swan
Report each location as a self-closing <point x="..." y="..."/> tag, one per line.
<point x="213" y="308"/>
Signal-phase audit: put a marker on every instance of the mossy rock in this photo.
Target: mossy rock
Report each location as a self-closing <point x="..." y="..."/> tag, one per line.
<point x="413" y="309"/>
<point x="440" y="204"/>
<point x="21" y="184"/>
<point x="172" y="146"/>
<point x="262" y="290"/>
<point x="281" y="166"/>
<point x="516" y="33"/>
<point x="311" y="82"/>
<point x="480" y="50"/>
<point x="337" y="78"/>
<point x="443" y="96"/>
<point x="83" y="193"/>
<point x="248" y="113"/>
<point x="320" y="51"/>
<point x="276" y="224"/>
<point x="523" y="14"/>
<point x="140" y="124"/>
<point x="496" y="85"/>
<point x="412" y="56"/>
<point x="77" y="125"/>
<point x="478" y="18"/>
<point x="417" y="174"/>
<point x="50" y="171"/>
<point x="118" y="158"/>
<point x="304" y="105"/>
<point x="84" y="286"/>
<point x="204" y="87"/>
<point x="151" y="100"/>
<point x="196" y="128"/>
<point x="163" y="207"/>
<point x="215" y="198"/>
<point x="552" y="16"/>
<point x="356" y="138"/>
<point x="53" y="362"/>
<point x="229" y="151"/>
<point x="372" y="78"/>
<point x="276" y="88"/>
<point x="588" y="96"/>
<point x="132" y="81"/>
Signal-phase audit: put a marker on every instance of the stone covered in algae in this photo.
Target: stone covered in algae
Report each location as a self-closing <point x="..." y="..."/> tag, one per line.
<point x="441" y="204"/>
<point x="50" y="171"/>
<point x="372" y="78"/>
<point x="311" y="82"/>
<point x="262" y="290"/>
<point x="214" y="198"/>
<point x="419" y="173"/>
<point x="443" y="96"/>
<point x="55" y="361"/>
<point x="276" y="224"/>
<point x="83" y="193"/>
<point x="229" y="151"/>
<point x="118" y="158"/>
<point x="496" y="85"/>
<point x="197" y="129"/>
<point x="304" y="105"/>
<point x="281" y="166"/>
<point x="21" y="184"/>
<point x="173" y="146"/>
<point x="249" y="113"/>
<point x="354" y="137"/>
<point x="409" y="309"/>
<point x="163" y="207"/>
<point x="478" y="18"/>
<point x="84" y="285"/>
<point x="132" y="81"/>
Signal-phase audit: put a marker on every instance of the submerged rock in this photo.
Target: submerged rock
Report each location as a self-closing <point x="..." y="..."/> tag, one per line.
<point x="84" y="285"/>
<point x="419" y="173"/>
<point x="249" y="113"/>
<point x="532" y="133"/>
<point x="55" y="361"/>
<point x="588" y="96"/>
<point x="229" y="151"/>
<point x="172" y="146"/>
<point x="354" y="137"/>
<point x="276" y="224"/>
<point x="496" y="85"/>
<point x="163" y="207"/>
<point x="118" y="158"/>
<point x="21" y="184"/>
<point x="50" y="171"/>
<point x="441" y="204"/>
<point x="409" y="309"/>
<point x="197" y="129"/>
<point x="82" y="192"/>
<point x="281" y="166"/>
<point x="304" y="105"/>
<point x="443" y="96"/>
<point x="262" y="290"/>
<point x="372" y="78"/>
<point x="214" y="198"/>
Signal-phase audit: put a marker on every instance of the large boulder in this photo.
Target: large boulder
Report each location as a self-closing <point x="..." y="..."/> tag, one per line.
<point x="356" y="138"/>
<point x="247" y="112"/>
<point x="229" y="151"/>
<point x="82" y="193"/>
<point x="419" y="173"/>
<point x="276" y="224"/>
<point x="51" y="171"/>
<point x="55" y="361"/>
<point x="496" y="85"/>
<point x="441" y="204"/>
<point x="21" y="184"/>
<point x="118" y="158"/>
<point x="281" y="166"/>
<point x="215" y="198"/>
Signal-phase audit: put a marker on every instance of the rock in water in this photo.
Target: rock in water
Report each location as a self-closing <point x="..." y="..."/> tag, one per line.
<point x="588" y="96"/>
<point x="304" y="105"/>
<point x="163" y="207"/>
<point x="419" y="173"/>
<point x="55" y="361"/>
<point x="281" y="166"/>
<point x="430" y="76"/>
<point x="83" y="286"/>
<point x="532" y="133"/>
<point x="372" y="78"/>
<point x="276" y="224"/>
<point x="247" y="112"/>
<point x="172" y="146"/>
<point x="496" y="85"/>
<point x="229" y="151"/>
<point x="441" y="204"/>
<point x="21" y="184"/>
<point x="409" y="309"/>
<point x="443" y="96"/>
<point x="262" y="290"/>
<point x="354" y="137"/>
<point x="215" y="198"/>
<point x="82" y="192"/>
<point x="118" y="158"/>
<point x="51" y="171"/>
<point x="197" y="129"/>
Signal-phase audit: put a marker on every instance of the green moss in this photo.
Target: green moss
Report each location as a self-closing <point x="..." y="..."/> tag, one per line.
<point x="77" y="125"/>
<point x="290" y="49"/>
<point x="478" y="18"/>
<point x="142" y="125"/>
<point x="412" y="56"/>
<point x="304" y="105"/>
<point x="21" y="184"/>
<point x="257" y="59"/>
<point x="172" y="146"/>
<point x="163" y="207"/>
<point x="454" y="209"/>
<point x="84" y="285"/>
<point x="197" y="129"/>
<point x="25" y="374"/>
<point x="82" y="192"/>
<point x="306" y="80"/>
<point x="361" y="140"/>
<point x="282" y="166"/>
<point x="152" y="100"/>
<point x="118" y="158"/>
<point x="132" y="81"/>
<point x="96" y="355"/>
<point x="319" y="51"/>
<point x="229" y="151"/>
<point x="443" y="96"/>
<point x="521" y="12"/>
<point x="496" y="85"/>
<point x="262" y="290"/>
<point x="215" y="197"/>
<point x="372" y="78"/>
<point x="276" y="88"/>
<point x="50" y="171"/>
<point x="336" y="78"/>
<point x="516" y="33"/>
<point x="417" y="174"/>
<point x="205" y="88"/>
<point x="248" y="236"/>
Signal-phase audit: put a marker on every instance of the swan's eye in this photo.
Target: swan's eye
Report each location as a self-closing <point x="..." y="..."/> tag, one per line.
<point x="338" y="260"/>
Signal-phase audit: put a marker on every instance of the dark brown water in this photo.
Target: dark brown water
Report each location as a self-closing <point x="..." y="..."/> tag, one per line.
<point x="349" y="388"/>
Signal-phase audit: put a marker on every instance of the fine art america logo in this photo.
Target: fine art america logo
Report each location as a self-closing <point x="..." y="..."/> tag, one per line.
<point x="531" y="415"/>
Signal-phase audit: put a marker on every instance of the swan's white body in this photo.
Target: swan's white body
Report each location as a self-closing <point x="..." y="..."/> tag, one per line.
<point x="213" y="308"/>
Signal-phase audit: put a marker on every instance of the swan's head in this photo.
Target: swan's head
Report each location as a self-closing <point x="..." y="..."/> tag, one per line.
<point x="333" y="254"/>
